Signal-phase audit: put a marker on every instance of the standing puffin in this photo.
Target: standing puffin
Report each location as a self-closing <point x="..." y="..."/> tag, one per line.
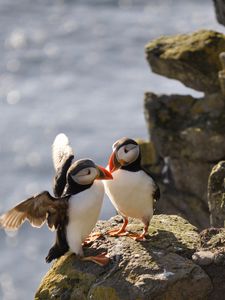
<point x="75" y="209"/>
<point x="132" y="190"/>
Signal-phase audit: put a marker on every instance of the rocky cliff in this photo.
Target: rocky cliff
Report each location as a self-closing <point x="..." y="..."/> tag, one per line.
<point x="187" y="133"/>
<point x="175" y="262"/>
<point x="158" y="268"/>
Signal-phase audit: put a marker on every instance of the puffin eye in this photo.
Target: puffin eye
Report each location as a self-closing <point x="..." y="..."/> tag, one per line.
<point x="129" y="147"/>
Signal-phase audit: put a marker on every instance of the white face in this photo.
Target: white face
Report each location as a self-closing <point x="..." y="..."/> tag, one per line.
<point x="85" y="176"/>
<point x="127" y="153"/>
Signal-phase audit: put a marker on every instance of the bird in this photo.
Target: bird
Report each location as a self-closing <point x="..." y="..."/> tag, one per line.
<point x="133" y="191"/>
<point x="74" y="210"/>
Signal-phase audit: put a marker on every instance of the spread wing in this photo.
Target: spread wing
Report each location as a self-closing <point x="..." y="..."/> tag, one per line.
<point x="62" y="154"/>
<point x="37" y="210"/>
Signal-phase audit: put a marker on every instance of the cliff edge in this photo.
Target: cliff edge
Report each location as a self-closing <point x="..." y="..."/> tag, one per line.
<point x="159" y="268"/>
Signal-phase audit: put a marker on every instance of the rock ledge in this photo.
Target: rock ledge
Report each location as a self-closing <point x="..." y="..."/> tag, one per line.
<point x="158" y="268"/>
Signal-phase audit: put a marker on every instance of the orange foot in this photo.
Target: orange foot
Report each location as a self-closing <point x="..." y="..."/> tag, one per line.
<point x="137" y="237"/>
<point x="140" y="237"/>
<point x="117" y="232"/>
<point x="93" y="237"/>
<point x="101" y="259"/>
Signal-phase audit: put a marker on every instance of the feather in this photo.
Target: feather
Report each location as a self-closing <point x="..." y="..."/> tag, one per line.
<point x="61" y="150"/>
<point x="37" y="209"/>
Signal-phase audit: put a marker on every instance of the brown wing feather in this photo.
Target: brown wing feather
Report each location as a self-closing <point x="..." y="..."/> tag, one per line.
<point x="35" y="209"/>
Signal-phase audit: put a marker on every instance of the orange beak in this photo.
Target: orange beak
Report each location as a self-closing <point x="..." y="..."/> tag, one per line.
<point x="113" y="163"/>
<point x="104" y="174"/>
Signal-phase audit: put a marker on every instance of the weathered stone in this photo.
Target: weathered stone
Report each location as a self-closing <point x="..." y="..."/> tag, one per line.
<point x="203" y="258"/>
<point x="221" y="74"/>
<point x="158" y="268"/>
<point x="191" y="58"/>
<point x="191" y="176"/>
<point x="189" y="138"/>
<point x="186" y="205"/>
<point x="220" y="10"/>
<point x="213" y="240"/>
<point x="149" y="156"/>
<point x="182" y="126"/>
<point x="216" y="195"/>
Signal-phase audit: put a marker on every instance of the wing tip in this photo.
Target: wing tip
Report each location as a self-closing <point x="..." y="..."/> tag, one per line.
<point x="60" y="138"/>
<point x="6" y="224"/>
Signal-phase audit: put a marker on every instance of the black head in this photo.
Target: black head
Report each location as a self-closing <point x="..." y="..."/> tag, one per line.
<point x="126" y="155"/>
<point x="82" y="174"/>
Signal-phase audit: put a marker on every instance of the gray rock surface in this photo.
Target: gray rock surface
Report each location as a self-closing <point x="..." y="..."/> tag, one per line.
<point x="187" y="133"/>
<point x="186" y="57"/>
<point x="159" y="268"/>
<point x="220" y="11"/>
<point x="216" y="195"/>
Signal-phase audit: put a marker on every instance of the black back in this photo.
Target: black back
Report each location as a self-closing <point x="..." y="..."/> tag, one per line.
<point x="59" y="182"/>
<point x="60" y="246"/>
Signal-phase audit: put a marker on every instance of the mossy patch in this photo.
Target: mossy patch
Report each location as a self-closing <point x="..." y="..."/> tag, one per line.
<point x="136" y="270"/>
<point x="191" y="58"/>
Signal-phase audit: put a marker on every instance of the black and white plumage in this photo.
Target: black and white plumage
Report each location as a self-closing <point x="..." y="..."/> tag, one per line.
<point x="75" y="210"/>
<point x="132" y="191"/>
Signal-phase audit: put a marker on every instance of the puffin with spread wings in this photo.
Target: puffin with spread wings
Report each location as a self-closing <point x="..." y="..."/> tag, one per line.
<point x="132" y="191"/>
<point x="74" y="210"/>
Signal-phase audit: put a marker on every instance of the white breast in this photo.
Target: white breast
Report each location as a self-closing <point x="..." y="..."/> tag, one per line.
<point x="84" y="210"/>
<point x="131" y="193"/>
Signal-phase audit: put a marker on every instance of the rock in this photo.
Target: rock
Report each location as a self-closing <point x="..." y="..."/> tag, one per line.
<point x="191" y="177"/>
<point x="187" y="132"/>
<point x="213" y="240"/>
<point x="188" y="136"/>
<point x="159" y="268"/>
<point x="148" y="152"/>
<point x="185" y="57"/>
<point x="216" y="195"/>
<point x="150" y="158"/>
<point x="203" y="258"/>
<point x="185" y="205"/>
<point x="220" y="11"/>
<point x="181" y="125"/>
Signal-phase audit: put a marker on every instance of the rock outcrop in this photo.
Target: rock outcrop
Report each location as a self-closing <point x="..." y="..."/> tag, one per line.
<point x="211" y="257"/>
<point x="159" y="268"/>
<point x="220" y="11"/>
<point x="193" y="59"/>
<point x="216" y="195"/>
<point x="187" y="133"/>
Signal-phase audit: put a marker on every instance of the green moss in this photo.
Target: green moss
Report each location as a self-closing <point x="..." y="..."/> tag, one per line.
<point x="180" y="47"/>
<point x="62" y="279"/>
<point x="148" y="152"/>
<point x="104" y="293"/>
<point x="172" y="233"/>
<point x="191" y="58"/>
<point x="71" y="279"/>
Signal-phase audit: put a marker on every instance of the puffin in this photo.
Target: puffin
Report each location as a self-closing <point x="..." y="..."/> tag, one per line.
<point x="133" y="191"/>
<point x="73" y="210"/>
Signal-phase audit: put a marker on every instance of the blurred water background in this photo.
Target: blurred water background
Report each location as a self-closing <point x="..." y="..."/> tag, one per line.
<point x="76" y="67"/>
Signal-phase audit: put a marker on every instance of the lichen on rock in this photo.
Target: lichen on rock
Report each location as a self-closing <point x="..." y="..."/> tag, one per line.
<point x="187" y="132"/>
<point x="216" y="195"/>
<point x="158" y="268"/>
<point x="193" y="58"/>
